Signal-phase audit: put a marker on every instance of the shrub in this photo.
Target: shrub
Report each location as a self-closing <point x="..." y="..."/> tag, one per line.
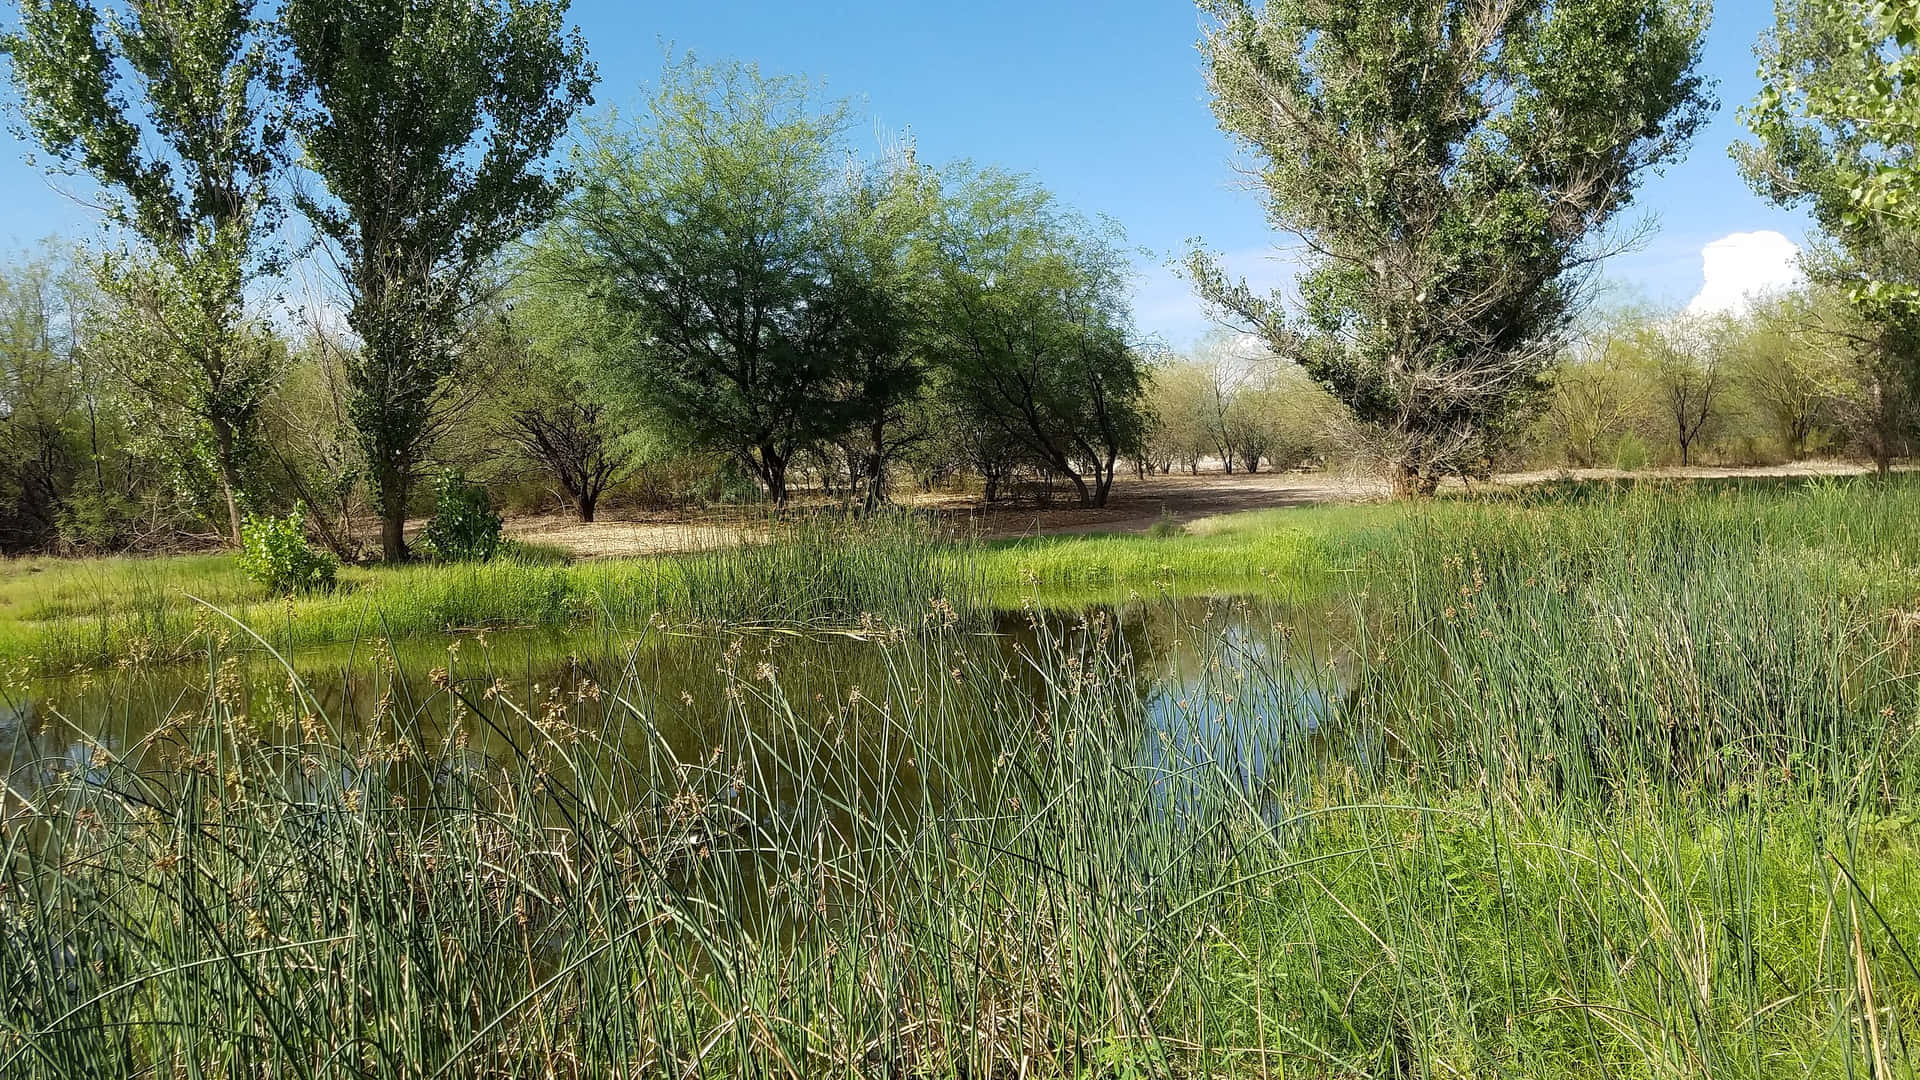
<point x="275" y="553"/>
<point x="465" y="527"/>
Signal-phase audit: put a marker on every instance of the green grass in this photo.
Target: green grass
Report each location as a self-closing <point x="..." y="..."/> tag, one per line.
<point x="1612" y="783"/>
<point x="57" y="615"/>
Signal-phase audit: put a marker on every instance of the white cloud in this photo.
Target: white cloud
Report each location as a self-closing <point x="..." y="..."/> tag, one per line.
<point x="1742" y="267"/>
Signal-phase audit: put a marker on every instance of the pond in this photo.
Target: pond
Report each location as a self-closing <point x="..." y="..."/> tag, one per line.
<point x="875" y="718"/>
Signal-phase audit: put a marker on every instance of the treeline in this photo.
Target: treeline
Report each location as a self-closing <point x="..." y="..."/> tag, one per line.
<point x="719" y="295"/>
<point x="1800" y="374"/>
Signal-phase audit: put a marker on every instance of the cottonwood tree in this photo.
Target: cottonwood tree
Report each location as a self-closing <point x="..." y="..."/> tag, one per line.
<point x="1834" y="134"/>
<point x="710" y="233"/>
<point x="168" y="106"/>
<point x="1450" y="168"/>
<point x="427" y="123"/>
<point x="1030" y="325"/>
<point x="1836" y="124"/>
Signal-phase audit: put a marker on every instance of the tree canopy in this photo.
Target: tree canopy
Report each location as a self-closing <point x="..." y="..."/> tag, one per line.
<point x="428" y="124"/>
<point x="1450" y="167"/>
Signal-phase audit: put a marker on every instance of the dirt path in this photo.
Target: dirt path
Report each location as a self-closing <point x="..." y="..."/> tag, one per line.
<point x="1135" y="507"/>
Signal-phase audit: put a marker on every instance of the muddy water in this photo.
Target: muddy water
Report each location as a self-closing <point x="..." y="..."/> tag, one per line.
<point x="885" y="723"/>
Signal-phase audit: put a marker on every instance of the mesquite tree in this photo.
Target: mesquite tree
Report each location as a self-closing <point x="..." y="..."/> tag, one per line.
<point x="717" y="233"/>
<point x="428" y="123"/>
<point x="167" y="105"/>
<point x="1029" y="326"/>
<point x="1449" y="167"/>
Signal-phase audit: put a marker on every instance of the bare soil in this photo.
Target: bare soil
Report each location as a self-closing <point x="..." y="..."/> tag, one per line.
<point x="1135" y="506"/>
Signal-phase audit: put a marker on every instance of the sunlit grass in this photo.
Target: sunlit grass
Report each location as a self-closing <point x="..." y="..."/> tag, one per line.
<point x="1614" y="784"/>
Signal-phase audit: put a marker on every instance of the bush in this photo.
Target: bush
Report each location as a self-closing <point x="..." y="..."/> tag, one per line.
<point x="464" y="526"/>
<point x="275" y="553"/>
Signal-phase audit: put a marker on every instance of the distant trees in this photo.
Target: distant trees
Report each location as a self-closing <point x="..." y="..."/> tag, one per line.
<point x="1687" y="374"/>
<point x="1449" y="164"/>
<point x="1795" y="375"/>
<point x="1237" y="405"/>
<point x="427" y="123"/>
<point x="1595" y="399"/>
<point x="187" y="163"/>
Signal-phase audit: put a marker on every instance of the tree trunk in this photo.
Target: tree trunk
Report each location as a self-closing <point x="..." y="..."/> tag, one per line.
<point x="393" y="519"/>
<point x="1410" y="483"/>
<point x="586" y="503"/>
<point x="229" y="480"/>
<point x="1081" y="491"/>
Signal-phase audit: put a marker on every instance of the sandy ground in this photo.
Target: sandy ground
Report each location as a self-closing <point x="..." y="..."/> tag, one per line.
<point x="1135" y="506"/>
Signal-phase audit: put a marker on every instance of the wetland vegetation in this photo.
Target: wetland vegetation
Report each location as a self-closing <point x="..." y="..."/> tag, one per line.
<point x="1584" y="781"/>
<point x="311" y="770"/>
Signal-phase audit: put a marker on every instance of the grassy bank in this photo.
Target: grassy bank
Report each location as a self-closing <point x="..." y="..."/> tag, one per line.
<point x="57" y="615"/>
<point x="1591" y="785"/>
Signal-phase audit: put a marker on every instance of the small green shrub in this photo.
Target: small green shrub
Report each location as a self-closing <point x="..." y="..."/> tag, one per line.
<point x="465" y="527"/>
<point x="275" y="554"/>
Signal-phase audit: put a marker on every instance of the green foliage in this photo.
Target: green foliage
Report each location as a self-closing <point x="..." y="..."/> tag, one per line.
<point x="464" y="527"/>
<point x="717" y="237"/>
<point x="275" y="554"/>
<point x="1449" y="165"/>
<point x="1030" y="329"/>
<point x="1835" y="125"/>
<point x="1630" y="454"/>
<point x="1834" y="130"/>
<point x="427" y="123"/>
<point x="188" y="164"/>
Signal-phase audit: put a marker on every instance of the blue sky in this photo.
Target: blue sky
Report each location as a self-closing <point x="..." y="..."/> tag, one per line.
<point x="1101" y="101"/>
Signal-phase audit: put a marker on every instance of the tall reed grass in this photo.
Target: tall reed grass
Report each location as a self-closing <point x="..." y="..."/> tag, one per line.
<point x="1605" y="787"/>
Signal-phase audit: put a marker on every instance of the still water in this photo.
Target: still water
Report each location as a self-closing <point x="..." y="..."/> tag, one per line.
<point x="863" y="717"/>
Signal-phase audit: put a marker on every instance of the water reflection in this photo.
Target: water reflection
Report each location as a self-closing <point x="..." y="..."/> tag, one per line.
<point x="845" y="730"/>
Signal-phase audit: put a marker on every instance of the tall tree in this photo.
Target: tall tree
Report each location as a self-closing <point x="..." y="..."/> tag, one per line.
<point x="1450" y="167"/>
<point x="716" y="235"/>
<point x="428" y="122"/>
<point x="186" y="162"/>
<point x="1834" y="133"/>
<point x="1030" y="322"/>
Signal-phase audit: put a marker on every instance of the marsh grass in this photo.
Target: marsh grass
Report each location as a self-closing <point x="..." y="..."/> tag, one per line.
<point x="805" y="571"/>
<point x="1622" y="786"/>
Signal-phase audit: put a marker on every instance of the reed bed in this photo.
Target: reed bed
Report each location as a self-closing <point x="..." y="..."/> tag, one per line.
<point x="1617" y="785"/>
